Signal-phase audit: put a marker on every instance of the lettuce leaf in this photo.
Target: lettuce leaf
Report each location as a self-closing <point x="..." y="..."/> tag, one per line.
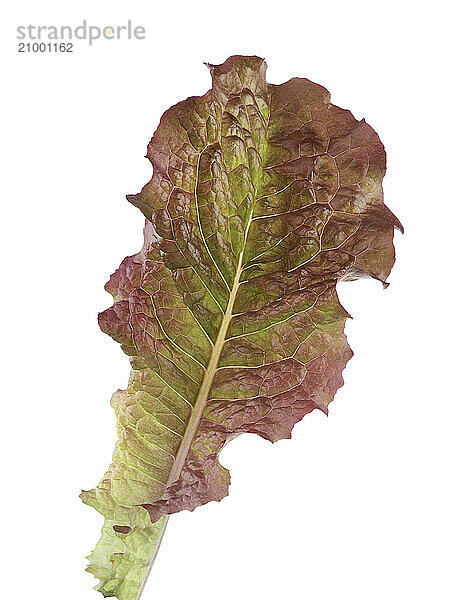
<point x="262" y="198"/>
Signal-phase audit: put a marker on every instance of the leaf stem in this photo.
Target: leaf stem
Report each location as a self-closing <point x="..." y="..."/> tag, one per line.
<point x="164" y="521"/>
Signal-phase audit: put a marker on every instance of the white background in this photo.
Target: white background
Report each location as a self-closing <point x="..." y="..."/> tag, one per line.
<point x="373" y="503"/>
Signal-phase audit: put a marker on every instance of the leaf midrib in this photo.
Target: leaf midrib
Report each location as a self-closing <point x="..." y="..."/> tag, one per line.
<point x="202" y="396"/>
<point x="210" y="371"/>
<point x="204" y="391"/>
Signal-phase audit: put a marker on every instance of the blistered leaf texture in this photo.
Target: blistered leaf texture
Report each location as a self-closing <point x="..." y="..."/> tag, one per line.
<point x="262" y="198"/>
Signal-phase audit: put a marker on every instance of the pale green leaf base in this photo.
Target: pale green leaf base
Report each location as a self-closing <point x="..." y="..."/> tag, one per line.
<point x="121" y="561"/>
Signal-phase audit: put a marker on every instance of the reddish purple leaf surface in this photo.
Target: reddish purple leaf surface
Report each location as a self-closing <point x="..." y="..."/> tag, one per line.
<point x="262" y="198"/>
